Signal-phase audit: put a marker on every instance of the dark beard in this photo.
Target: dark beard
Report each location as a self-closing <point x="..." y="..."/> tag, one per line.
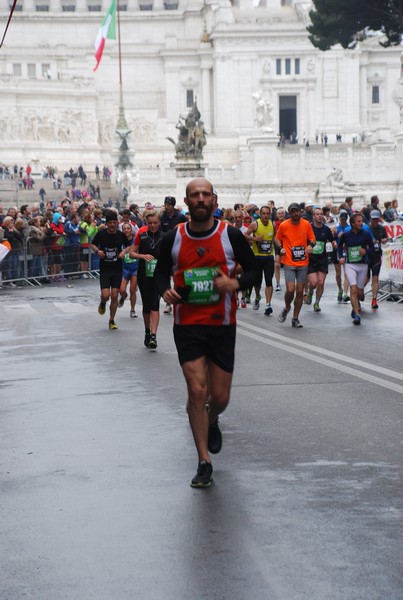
<point x="198" y="217"/>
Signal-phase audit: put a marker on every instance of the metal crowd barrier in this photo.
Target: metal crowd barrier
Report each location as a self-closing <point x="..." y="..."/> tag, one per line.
<point x="27" y="269"/>
<point x="391" y="275"/>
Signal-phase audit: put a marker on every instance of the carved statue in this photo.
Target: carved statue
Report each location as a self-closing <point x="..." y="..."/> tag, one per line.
<point x="191" y="136"/>
<point x="124" y="146"/>
<point x="264" y="108"/>
<point x="335" y="180"/>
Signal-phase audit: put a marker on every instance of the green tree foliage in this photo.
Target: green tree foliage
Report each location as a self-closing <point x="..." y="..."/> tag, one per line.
<point x="347" y="21"/>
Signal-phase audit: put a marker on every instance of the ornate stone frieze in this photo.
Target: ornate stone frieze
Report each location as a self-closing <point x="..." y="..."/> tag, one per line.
<point x="143" y="131"/>
<point x="48" y="126"/>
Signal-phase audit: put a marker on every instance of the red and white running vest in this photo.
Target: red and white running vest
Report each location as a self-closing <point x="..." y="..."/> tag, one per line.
<point x="195" y="262"/>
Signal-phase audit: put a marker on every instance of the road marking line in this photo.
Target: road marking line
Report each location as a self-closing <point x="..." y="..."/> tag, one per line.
<point x="72" y="307"/>
<point x="329" y="363"/>
<point x="19" y="307"/>
<point x="329" y="353"/>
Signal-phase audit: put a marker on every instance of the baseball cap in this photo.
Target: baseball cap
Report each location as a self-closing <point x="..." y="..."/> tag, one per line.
<point x="170" y="200"/>
<point x="343" y="214"/>
<point x="294" y="206"/>
<point x="148" y="205"/>
<point x="375" y="214"/>
<point x="308" y="203"/>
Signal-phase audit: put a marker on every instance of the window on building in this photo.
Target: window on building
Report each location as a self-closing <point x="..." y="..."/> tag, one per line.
<point x="278" y="66"/>
<point x="189" y="98"/>
<point x="297" y="66"/>
<point x="285" y="2"/>
<point x="94" y="8"/>
<point x="45" y="70"/>
<point x="68" y="8"/>
<point x="145" y="5"/>
<point x="171" y="5"/>
<point x="122" y="7"/>
<point x="31" y="70"/>
<point x="375" y="94"/>
<point x="17" y="71"/>
<point x="42" y="8"/>
<point x="288" y="66"/>
<point x="18" y="7"/>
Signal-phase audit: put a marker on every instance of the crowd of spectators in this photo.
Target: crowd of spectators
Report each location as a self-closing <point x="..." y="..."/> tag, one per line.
<point x="49" y="240"/>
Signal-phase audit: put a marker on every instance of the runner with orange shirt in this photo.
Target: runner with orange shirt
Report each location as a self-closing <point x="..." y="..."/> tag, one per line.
<point x="296" y="240"/>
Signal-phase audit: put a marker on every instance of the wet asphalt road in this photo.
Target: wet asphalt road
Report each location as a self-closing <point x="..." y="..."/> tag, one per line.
<point x="96" y="457"/>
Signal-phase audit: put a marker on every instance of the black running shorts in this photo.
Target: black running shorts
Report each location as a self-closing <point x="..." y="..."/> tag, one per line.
<point x="110" y="279"/>
<point x="216" y="343"/>
<point x="320" y="265"/>
<point x="374" y="266"/>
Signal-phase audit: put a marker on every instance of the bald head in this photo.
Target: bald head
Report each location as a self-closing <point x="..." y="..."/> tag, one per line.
<point x="198" y="181"/>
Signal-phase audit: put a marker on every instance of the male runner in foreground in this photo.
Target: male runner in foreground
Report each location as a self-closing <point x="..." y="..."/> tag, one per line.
<point x="203" y="255"/>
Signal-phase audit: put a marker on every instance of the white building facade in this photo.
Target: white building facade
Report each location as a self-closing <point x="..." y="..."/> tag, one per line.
<point x="255" y="76"/>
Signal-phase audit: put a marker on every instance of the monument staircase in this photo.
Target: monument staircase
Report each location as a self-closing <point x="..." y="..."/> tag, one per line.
<point x="12" y="195"/>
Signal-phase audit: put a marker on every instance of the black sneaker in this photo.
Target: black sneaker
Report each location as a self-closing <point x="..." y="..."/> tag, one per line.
<point x="152" y="344"/>
<point x="147" y="338"/>
<point x="121" y="301"/>
<point x="214" y="438"/>
<point x="204" y="475"/>
<point x="268" y="310"/>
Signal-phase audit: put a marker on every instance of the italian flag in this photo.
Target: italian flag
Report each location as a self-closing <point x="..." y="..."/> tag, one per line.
<point x="106" y="31"/>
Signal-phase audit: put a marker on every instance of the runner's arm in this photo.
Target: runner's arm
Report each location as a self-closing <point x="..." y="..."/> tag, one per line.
<point x="163" y="269"/>
<point x="245" y="257"/>
<point x="251" y="229"/>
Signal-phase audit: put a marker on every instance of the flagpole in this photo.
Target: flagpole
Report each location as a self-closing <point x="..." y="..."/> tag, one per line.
<point x="124" y="165"/>
<point x="121" y="125"/>
<point x="119" y="45"/>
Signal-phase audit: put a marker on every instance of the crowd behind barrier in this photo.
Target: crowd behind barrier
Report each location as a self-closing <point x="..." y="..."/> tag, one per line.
<point x="38" y="247"/>
<point x="49" y="242"/>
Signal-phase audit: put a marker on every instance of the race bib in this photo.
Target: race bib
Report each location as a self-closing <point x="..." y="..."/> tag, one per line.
<point x="353" y="254"/>
<point x="265" y="246"/>
<point x="111" y="254"/>
<point x="129" y="260"/>
<point x="200" y="281"/>
<point x="319" y="248"/>
<point x="150" y="267"/>
<point x="298" y="253"/>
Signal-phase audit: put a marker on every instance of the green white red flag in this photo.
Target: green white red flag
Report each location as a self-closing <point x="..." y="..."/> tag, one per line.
<point x="106" y="31"/>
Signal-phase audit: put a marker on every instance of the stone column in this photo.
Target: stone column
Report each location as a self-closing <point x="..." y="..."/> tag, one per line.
<point x="172" y="99"/>
<point x="363" y="96"/>
<point x="205" y="108"/>
<point x="81" y="6"/>
<point x="310" y="113"/>
<point x="246" y="4"/>
<point x="29" y="6"/>
<point x="223" y="89"/>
